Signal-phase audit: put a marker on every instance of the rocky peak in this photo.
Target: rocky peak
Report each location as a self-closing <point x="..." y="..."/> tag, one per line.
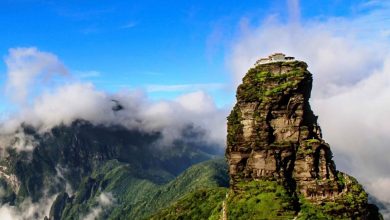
<point x="273" y="135"/>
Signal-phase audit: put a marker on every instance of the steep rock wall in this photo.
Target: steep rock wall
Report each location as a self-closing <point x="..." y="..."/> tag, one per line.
<point x="273" y="135"/>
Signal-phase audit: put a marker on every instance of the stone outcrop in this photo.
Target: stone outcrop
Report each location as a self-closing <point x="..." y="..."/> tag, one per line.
<point x="274" y="135"/>
<point x="11" y="179"/>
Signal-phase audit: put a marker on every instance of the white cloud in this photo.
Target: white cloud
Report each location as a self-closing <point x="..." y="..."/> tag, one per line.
<point x="350" y="62"/>
<point x="27" y="210"/>
<point x="25" y="66"/>
<point x="356" y="123"/>
<point x="68" y="101"/>
<point x="76" y="100"/>
<point x="196" y="108"/>
<point x="6" y="213"/>
<point x="87" y="74"/>
<point x="381" y="188"/>
<point x="337" y="61"/>
<point x="294" y="10"/>
<point x="18" y="140"/>
<point x="198" y="102"/>
<point x="104" y="200"/>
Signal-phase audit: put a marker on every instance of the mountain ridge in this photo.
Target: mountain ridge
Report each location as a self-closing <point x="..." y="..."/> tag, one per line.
<point x="67" y="161"/>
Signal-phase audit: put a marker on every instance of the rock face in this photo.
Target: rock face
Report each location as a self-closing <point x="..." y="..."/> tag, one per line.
<point x="273" y="135"/>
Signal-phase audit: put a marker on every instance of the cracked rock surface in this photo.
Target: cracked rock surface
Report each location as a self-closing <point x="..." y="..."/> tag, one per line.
<point x="273" y="135"/>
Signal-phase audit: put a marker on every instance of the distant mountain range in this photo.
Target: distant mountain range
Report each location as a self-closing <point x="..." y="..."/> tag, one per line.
<point x="110" y="170"/>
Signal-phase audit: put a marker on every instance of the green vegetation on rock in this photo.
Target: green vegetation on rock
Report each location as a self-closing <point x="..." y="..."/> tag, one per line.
<point x="135" y="196"/>
<point x="235" y="126"/>
<point x="260" y="199"/>
<point x="280" y="167"/>
<point x="348" y="205"/>
<point x="280" y="88"/>
<point x="199" y="204"/>
<point x="261" y="82"/>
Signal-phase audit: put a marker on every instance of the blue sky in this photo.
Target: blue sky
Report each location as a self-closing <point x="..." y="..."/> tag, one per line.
<point x="165" y="47"/>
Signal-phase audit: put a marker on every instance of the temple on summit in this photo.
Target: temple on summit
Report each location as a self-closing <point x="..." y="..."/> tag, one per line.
<point x="276" y="57"/>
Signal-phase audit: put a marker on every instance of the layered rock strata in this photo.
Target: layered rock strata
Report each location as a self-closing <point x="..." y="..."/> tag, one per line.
<point x="274" y="135"/>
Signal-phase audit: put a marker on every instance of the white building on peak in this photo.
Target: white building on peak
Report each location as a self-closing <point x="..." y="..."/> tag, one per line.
<point x="276" y="57"/>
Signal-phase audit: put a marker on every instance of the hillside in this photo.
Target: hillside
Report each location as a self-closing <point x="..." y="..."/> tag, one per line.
<point x="83" y="164"/>
<point x="135" y="196"/>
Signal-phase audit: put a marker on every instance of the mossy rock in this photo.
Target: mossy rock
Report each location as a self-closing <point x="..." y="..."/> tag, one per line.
<point x="260" y="199"/>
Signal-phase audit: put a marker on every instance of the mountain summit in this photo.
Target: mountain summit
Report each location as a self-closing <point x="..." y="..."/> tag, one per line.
<point x="279" y="164"/>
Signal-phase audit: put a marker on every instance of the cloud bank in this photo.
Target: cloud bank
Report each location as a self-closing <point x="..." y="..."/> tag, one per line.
<point x="350" y="62"/>
<point x="25" y="66"/>
<point x="79" y="100"/>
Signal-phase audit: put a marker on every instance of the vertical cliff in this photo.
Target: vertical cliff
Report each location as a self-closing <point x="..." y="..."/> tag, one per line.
<point x="274" y="138"/>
